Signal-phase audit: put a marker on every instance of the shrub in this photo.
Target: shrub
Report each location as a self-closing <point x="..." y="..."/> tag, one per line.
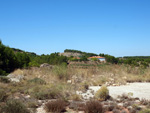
<point x="76" y="97"/>
<point x="55" y="106"/>
<point x="37" y="81"/>
<point x="43" y="93"/>
<point x="145" y="102"/>
<point x="61" y="72"/>
<point x="93" y="107"/>
<point x="102" y="93"/>
<point x="4" y="79"/>
<point x="2" y="95"/>
<point x="14" y="106"/>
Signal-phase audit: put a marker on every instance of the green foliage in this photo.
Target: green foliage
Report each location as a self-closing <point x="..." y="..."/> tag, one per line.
<point x="2" y="72"/>
<point x="37" y="81"/>
<point x="34" y="64"/>
<point x="23" y="59"/>
<point x="109" y="58"/>
<point x="136" y="61"/>
<point x="102" y="93"/>
<point x="14" y="106"/>
<point x="53" y="59"/>
<point x="73" y="51"/>
<point x="94" y="59"/>
<point x="9" y="60"/>
<point x="84" y="54"/>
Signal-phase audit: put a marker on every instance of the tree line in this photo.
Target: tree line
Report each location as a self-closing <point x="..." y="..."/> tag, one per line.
<point x="11" y="59"/>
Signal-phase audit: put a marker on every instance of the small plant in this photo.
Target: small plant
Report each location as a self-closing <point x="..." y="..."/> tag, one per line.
<point x="14" y="106"/>
<point x="42" y="94"/>
<point x="61" y="72"/>
<point x="2" y="95"/>
<point x="145" y="111"/>
<point x="145" y="102"/>
<point x="93" y="107"/>
<point x="4" y="79"/>
<point x="76" y="97"/>
<point x="32" y="104"/>
<point x="102" y="93"/>
<point x="55" y="106"/>
<point x="37" y="81"/>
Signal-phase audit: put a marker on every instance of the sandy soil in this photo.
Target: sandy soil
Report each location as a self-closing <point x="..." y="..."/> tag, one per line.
<point x="140" y="90"/>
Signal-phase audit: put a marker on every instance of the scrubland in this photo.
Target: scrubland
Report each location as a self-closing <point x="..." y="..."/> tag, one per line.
<point x="60" y="83"/>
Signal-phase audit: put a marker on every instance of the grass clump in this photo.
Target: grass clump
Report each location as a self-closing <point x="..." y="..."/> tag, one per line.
<point x="145" y="111"/>
<point x="61" y="72"/>
<point x="14" y="106"/>
<point x="93" y="107"/>
<point x="37" y="81"/>
<point x="102" y="93"/>
<point x="4" y="79"/>
<point x="45" y="92"/>
<point x="3" y="95"/>
<point x="56" y="106"/>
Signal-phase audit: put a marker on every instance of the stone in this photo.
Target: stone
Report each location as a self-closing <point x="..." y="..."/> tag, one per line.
<point x="69" y="81"/>
<point x="15" y="78"/>
<point x="44" y="65"/>
<point x="120" y="104"/>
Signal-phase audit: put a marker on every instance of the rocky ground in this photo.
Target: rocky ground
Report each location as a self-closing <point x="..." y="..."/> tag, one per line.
<point x="130" y="98"/>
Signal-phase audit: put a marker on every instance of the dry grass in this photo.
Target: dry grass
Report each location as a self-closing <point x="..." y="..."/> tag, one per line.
<point x="45" y="83"/>
<point x="115" y="74"/>
<point x="56" y="106"/>
<point x="55" y="80"/>
<point x="93" y="107"/>
<point x="102" y="93"/>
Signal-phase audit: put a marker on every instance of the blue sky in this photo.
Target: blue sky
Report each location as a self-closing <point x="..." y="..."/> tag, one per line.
<point x="115" y="27"/>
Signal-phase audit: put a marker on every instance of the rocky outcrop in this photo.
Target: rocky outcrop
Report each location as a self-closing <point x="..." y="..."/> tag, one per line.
<point x="46" y="65"/>
<point x="15" y="78"/>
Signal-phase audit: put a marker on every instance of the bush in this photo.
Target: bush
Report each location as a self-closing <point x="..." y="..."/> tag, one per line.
<point x="37" y="81"/>
<point x="14" y="106"/>
<point x="4" y="79"/>
<point x="61" y="72"/>
<point x="102" y="93"/>
<point x="42" y="95"/>
<point x="43" y="92"/>
<point x="2" y="72"/>
<point x="93" y="107"/>
<point x="2" y="95"/>
<point x="55" y="106"/>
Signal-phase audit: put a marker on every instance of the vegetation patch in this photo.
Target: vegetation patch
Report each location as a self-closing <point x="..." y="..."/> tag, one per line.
<point x="56" y="106"/>
<point x="14" y="106"/>
<point x="3" y="95"/>
<point x="93" y="107"/>
<point x="102" y="93"/>
<point x="37" y="81"/>
<point x="4" y="79"/>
